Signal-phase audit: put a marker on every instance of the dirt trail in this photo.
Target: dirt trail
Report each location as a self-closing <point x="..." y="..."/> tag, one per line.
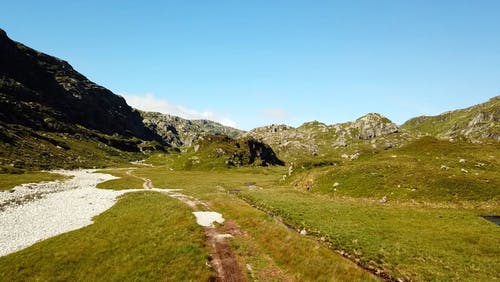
<point x="223" y="259"/>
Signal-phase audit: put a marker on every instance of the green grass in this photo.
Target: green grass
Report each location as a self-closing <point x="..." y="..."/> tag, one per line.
<point x="9" y="181"/>
<point x="144" y="237"/>
<point x="411" y="242"/>
<point x="127" y="180"/>
<point x="427" y="170"/>
<point x="274" y="252"/>
<point x="429" y="230"/>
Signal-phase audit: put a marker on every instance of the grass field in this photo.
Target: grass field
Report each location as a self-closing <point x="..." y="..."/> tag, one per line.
<point x="144" y="237"/>
<point x="274" y="252"/>
<point x="429" y="228"/>
<point x="127" y="180"/>
<point x="410" y="242"/>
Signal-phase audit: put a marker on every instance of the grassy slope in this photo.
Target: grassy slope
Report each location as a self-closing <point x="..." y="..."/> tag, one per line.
<point x="432" y="217"/>
<point x="415" y="243"/>
<point x="9" y="181"/>
<point x="144" y="237"/>
<point x="22" y="148"/>
<point x="414" y="172"/>
<point x="441" y="125"/>
<point x="274" y="252"/>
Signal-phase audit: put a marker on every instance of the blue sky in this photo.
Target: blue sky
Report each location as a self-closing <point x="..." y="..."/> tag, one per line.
<point x="252" y="63"/>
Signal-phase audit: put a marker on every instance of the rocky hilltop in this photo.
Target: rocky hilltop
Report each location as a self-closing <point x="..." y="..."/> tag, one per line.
<point x="221" y="151"/>
<point x="316" y="138"/>
<point x="477" y="123"/>
<point x="181" y="132"/>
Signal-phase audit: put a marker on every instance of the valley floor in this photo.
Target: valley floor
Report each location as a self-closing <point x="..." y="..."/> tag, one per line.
<point x="149" y="236"/>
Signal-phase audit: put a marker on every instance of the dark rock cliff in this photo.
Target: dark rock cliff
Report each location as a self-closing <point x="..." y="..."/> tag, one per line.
<point x="45" y="93"/>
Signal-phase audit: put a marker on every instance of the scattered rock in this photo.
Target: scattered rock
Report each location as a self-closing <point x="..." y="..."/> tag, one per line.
<point x="303" y="232"/>
<point x="462" y="161"/>
<point x="464" y="170"/>
<point x="354" y="156"/>
<point x="443" y="167"/>
<point x="383" y="200"/>
<point x="336" y="184"/>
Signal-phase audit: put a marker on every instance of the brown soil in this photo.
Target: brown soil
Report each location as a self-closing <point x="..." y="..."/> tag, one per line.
<point x="223" y="259"/>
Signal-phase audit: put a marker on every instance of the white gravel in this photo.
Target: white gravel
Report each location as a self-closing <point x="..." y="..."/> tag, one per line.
<point x="54" y="208"/>
<point x="207" y="218"/>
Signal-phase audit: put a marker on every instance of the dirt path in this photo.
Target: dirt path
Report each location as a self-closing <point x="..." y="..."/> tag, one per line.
<point x="223" y="259"/>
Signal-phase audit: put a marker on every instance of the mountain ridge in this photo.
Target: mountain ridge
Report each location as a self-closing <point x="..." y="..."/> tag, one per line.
<point x="48" y="111"/>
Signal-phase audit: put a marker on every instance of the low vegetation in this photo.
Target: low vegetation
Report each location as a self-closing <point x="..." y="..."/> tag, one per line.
<point x="273" y="252"/>
<point x="426" y="170"/>
<point x="25" y="149"/>
<point x="126" y="180"/>
<point x="417" y="243"/>
<point x="144" y="237"/>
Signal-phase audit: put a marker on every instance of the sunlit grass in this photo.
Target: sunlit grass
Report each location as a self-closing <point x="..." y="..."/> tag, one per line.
<point x="145" y="237"/>
<point x="407" y="242"/>
<point x="274" y="252"/>
<point x="127" y="180"/>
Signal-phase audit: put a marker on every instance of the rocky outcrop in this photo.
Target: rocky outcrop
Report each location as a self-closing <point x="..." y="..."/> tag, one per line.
<point x="182" y="132"/>
<point x="315" y="138"/>
<point x="477" y="123"/>
<point x="373" y="125"/>
<point x="484" y="125"/>
<point x="236" y="152"/>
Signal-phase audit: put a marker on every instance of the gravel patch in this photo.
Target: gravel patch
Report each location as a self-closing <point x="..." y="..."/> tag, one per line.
<point x="207" y="218"/>
<point x="34" y="212"/>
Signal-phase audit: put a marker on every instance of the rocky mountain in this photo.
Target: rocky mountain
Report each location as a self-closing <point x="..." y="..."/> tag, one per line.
<point x="53" y="116"/>
<point x="318" y="139"/>
<point x="43" y="92"/>
<point x="477" y="123"/>
<point x="181" y="132"/>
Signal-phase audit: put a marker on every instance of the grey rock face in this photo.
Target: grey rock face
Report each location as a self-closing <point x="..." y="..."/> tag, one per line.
<point x="179" y="132"/>
<point x="373" y="125"/>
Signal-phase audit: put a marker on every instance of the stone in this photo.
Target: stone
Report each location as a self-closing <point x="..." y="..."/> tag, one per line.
<point x="383" y="200"/>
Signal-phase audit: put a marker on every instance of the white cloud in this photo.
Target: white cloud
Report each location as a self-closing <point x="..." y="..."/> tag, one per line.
<point x="149" y="102"/>
<point x="276" y="114"/>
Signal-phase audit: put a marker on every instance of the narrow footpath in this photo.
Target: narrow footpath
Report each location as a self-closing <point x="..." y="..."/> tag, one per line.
<point x="223" y="260"/>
